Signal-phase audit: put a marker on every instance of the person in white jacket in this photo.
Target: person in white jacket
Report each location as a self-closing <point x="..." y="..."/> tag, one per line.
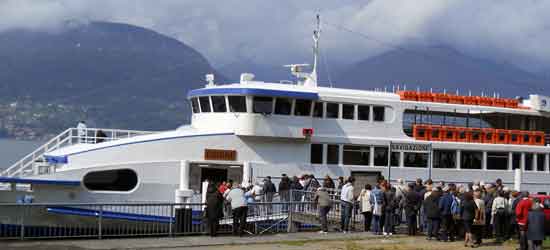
<point x="364" y="200"/>
<point x="499" y="214"/>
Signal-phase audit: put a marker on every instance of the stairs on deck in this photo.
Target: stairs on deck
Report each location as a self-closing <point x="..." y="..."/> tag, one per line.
<point x="35" y="162"/>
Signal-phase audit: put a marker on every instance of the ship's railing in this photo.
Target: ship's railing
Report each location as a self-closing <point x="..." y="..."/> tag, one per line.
<point x="104" y="220"/>
<point x="68" y="137"/>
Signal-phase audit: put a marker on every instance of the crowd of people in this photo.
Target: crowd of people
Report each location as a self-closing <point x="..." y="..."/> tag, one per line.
<point x="441" y="211"/>
<point x="444" y="211"/>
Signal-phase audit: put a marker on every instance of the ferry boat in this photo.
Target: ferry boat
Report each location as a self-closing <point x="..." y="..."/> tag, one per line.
<point x="248" y="130"/>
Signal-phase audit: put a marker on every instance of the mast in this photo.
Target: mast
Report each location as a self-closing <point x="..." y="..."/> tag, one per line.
<point x="312" y="79"/>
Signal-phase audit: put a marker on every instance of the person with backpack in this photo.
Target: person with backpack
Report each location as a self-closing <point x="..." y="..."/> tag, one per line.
<point x="412" y="206"/>
<point x="535" y="225"/>
<point x="479" y="221"/>
<point x="377" y="199"/>
<point x="433" y="214"/>
<point x="498" y="211"/>
<point x="445" y="208"/>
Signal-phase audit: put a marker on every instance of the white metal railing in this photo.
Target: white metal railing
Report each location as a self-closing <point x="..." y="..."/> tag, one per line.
<point x="68" y="137"/>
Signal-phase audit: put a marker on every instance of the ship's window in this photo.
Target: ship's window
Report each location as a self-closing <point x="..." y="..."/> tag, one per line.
<point x="395" y="159"/>
<point x="528" y="162"/>
<point x="444" y="159"/>
<point x="332" y="154"/>
<point x="356" y="155"/>
<point x="497" y="160"/>
<point x="317" y="153"/>
<point x="380" y="156"/>
<point x="516" y="160"/>
<point x="218" y="104"/>
<point x="332" y="110"/>
<point x="303" y="108"/>
<point x="379" y="113"/>
<point x="471" y="160"/>
<point x="263" y="105"/>
<point x="237" y="104"/>
<point x="541" y="159"/>
<point x="118" y="180"/>
<point x="363" y="113"/>
<point x="204" y="103"/>
<point x="318" y="110"/>
<point x="348" y="111"/>
<point x="195" y="105"/>
<point x="416" y="160"/>
<point x="283" y="106"/>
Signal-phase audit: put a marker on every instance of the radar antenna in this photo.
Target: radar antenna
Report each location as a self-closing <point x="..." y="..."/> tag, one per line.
<point x="304" y="78"/>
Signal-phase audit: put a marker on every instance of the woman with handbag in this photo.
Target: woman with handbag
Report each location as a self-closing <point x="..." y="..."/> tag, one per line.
<point x="365" y="202"/>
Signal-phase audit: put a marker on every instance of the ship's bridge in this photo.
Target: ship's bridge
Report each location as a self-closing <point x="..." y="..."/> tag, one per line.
<point x="253" y="108"/>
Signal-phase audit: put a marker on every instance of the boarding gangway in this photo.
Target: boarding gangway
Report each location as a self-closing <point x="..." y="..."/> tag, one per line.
<point x="26" y="166"/>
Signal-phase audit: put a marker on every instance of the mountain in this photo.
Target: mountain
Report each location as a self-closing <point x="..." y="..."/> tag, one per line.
<point x="440" y="68"/>
<point x="112" y="74"/>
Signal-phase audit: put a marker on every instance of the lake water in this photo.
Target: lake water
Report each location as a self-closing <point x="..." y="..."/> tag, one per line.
<point x="13" y="150"/>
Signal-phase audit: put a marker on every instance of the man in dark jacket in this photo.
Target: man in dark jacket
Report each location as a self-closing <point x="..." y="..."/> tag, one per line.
<point x="284" y="187"/>
<point x="535" y="225"/>
<point x="214" y="209"/>
<point x="447" y="221"/>
<point x="412" y="205"/>
<point x="433" y="214"/>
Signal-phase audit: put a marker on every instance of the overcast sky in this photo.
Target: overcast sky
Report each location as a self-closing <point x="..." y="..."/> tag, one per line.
<point x="278" y="32"/>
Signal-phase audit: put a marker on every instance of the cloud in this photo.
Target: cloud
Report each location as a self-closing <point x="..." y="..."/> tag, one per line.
<point x="278" y="32"/>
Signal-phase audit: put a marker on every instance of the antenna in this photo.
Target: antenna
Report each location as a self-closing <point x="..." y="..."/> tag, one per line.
<point x="312" y="79"/>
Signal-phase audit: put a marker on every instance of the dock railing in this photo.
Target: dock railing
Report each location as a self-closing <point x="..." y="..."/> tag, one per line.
<point x="79" y="220"/>
<point x="68" y="137"/>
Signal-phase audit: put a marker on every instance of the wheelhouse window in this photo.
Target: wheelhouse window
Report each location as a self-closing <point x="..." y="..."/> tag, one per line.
<point x="363" y="113"/>
<point x="316" y="153"/>
<point x="332" y="110"/>
<point x="348" y="111"/>
<point x="528" y="162"/>
<point x="333" y="152"/>
<point x="118" y="180"/>
<point x="195" y="105"/>
<point x="283" y="106"/>
<point x="471" y="160"/>
<point x="303" y="108"/>
<point x="497" y="160"/>
<point x="395" y="158"/>
<point x="204" y="103"/>
<point x="318" y="110"/>
<point x="237" y="104"/>
<point x="416" y="160"/>
<point x="356" y="155"/>
<point x="516" y="161"/>
<point x="218" y="104"/>
<point x="262" y="105"/>
<point x="541" y="160"/>
<point x="444" y="159"/>
<point x="379" y="113"/>
<point x="380" y="156"/>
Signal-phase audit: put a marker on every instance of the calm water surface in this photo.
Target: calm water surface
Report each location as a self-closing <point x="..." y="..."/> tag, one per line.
<point x="13" y="150"/>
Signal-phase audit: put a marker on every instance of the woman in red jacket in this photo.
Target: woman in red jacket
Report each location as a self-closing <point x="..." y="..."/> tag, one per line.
<point x="522" y="211"/>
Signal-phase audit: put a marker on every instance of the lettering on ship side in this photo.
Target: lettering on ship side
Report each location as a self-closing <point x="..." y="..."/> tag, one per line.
<point x="220" y="155"/>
